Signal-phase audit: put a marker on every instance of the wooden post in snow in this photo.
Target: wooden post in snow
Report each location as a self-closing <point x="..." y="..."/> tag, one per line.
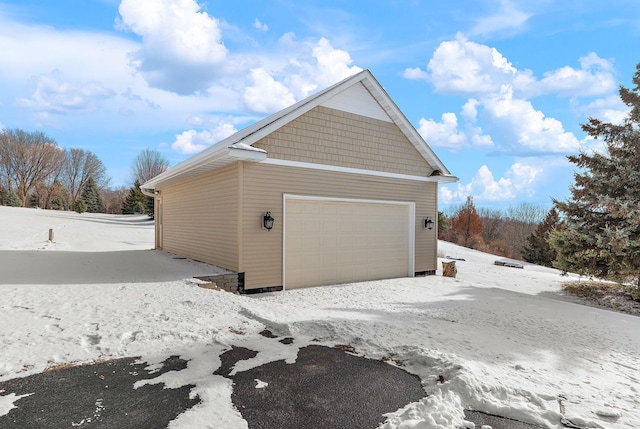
<point x="50" y="234"/>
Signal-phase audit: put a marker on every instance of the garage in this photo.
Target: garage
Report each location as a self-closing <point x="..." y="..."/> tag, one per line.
<point x="338" y="187"/>
<point x="332" y="241"/>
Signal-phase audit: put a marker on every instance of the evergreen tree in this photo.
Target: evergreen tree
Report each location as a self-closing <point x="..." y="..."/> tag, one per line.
<point x="538" y="250"/>
<point x="602" y="215"/>
<point x="34" y="200"/>
<point x="149" y="206"/>
<point x="13" y="200"/>
<point x="467" y="225"/>
<point x="135" y="201"/>
<point x="80" y="206"/>
<point x="91" y="196"/>
<point x="443" y="223"/>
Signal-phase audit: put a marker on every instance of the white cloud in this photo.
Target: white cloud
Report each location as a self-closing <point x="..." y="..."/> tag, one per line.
<point x="314" y="65"/>
<point x="415" y="73"/>
<point x="608" y="109"/>
<point x="448" y="134"/>
<point x="179" y="69"/>
<point x="311" y="66"/>
<point x="260" y="26"/>
<point x="54" y="94"/>
<point x="462" y="66"/>
<point x="517" y="180"/>
<point x="333" y="65"/>
<point x="192" y="141"/>
<point x="288" y="40"/>
<point x="266" y="95"/>
<point x="32" y="50"/>
<point x="501" y="93"/>
<point x="470" y="110"/>
<point x="528" y="130"/>
<point x="444" y="133"/>
<point x="595" y="77"/>
<point x="478" y="139"/>
<point x="182" y="47"/>
<point x="507" y="19"/>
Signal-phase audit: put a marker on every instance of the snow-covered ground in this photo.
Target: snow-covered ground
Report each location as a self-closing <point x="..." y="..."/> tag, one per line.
<point x="500" y="337"/>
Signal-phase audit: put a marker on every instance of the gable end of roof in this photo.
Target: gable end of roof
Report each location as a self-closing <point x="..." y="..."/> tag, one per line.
<point x="221" y="153"/>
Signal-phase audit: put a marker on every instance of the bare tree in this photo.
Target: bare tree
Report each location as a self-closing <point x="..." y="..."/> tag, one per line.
<point x="113" y="199"/>
<point x="79" y="166"/>
<point x="523" y="220"/>
<point x="527" y="213"/>
<point x="27" y="158"/>
<point x="49" y="194"/>
<point x="148" y="164"/>
<point x="492" y="222"/>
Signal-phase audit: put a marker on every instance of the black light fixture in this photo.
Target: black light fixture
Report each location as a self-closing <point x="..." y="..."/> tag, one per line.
<point x="267" y="221"/>
<point x="428" y="223"/>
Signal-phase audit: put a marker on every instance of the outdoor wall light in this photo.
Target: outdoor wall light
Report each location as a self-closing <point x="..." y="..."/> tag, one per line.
<point x="267" y="221"/>
<point x="428" y="223"/>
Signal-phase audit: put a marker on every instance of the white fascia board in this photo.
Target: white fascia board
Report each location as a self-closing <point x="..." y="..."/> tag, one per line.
<point x="196" y="161"/>
<point x="338" y="169"/>
<point x="242" y="154"/>
<point x="221" y="158"/>
<point x="443" y="179"/>
<point x="149" y="192"/>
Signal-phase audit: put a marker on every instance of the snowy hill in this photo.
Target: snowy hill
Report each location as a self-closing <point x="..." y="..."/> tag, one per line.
<point x="500" y="338"/>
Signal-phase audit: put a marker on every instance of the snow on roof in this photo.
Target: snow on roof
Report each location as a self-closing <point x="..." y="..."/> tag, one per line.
<point x="238" y="147"/>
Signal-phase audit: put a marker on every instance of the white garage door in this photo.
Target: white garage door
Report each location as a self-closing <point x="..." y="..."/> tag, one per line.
<point x="331" y="241"/>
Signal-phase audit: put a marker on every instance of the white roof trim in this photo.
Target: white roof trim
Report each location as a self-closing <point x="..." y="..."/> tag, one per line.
<point x="219" y="154"/>
<point x="338" y="169"/>
<point x="200" y="164"/>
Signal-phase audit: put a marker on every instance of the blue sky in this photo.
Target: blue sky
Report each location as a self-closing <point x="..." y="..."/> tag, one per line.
<point x="498" y="88"/>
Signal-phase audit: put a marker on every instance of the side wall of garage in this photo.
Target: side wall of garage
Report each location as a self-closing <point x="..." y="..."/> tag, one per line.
<point x="263" y="187"/>
<point x="200" y="217"/>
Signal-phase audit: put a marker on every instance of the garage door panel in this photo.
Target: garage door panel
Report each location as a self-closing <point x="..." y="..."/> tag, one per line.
<point x="329" y="241"/>
<point x="330" y="226"/>
<point x="329" y="259"/>
<point x="296" y="244"/>
<point x="345" y="226"/>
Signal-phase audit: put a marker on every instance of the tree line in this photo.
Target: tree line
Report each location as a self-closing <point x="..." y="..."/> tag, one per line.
<point x="596" y="231"/>
<point x="502" y="233"/>
<point x="36" y="172"/>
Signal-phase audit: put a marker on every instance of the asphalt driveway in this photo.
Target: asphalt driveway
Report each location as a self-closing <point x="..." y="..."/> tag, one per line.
<point x="324" y="388"/>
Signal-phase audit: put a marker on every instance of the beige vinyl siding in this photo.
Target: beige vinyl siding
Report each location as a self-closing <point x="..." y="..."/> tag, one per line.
<point x="263" y="190"/>
<point x="200" y="217"/>
<point x="335" y="137"/>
